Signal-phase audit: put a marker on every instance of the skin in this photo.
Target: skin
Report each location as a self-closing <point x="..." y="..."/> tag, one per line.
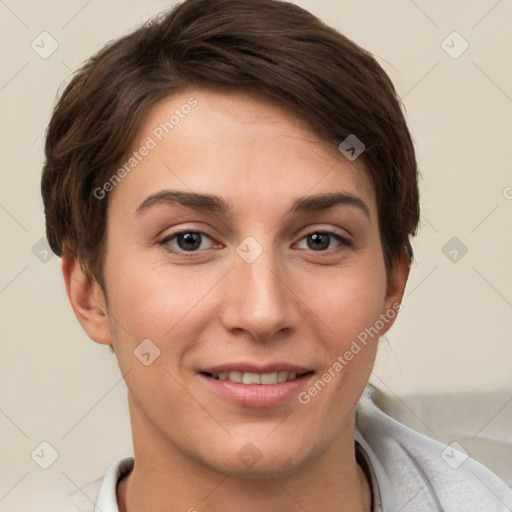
<point x="294" y="303"/>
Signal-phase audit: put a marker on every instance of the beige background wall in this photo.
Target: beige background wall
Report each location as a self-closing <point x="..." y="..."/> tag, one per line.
<point x="453" y="337"/>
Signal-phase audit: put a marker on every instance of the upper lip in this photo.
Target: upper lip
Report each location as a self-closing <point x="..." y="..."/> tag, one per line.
<point x="251" y="367"/>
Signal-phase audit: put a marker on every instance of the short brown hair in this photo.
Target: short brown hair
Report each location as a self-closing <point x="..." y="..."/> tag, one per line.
<point x="270" y="47"/>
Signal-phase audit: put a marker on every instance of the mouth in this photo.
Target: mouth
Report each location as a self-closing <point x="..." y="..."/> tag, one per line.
<point x="251" y="385"/>
<point x="253" y="378"/>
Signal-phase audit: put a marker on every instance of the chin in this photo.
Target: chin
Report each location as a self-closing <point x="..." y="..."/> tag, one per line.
<point x="257" y="459"/>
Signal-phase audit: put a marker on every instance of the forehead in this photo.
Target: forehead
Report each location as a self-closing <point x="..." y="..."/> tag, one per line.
<point x="234" y="142"/>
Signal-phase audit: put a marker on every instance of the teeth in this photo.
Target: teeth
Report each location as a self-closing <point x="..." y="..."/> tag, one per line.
<point x="282" y="376"/>
<point x="235" y="376"/>
<point x="256" y="378"/>
<point x="251" y="378"/>
<point x="269" y="378"/>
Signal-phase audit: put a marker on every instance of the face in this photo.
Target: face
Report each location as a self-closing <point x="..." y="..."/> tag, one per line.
<point x="241" y="247"/>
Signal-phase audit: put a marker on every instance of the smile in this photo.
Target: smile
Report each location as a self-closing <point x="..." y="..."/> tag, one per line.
<point x="252" y="385"/>
<point x="256" y="378"/>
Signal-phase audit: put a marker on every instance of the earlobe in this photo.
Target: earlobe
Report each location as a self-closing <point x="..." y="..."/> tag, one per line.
<point x="87" y="300"/>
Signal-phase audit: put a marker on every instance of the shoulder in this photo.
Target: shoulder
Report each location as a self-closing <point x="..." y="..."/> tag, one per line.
<point x="99" y="495"/>
<point x="416" y="473"/>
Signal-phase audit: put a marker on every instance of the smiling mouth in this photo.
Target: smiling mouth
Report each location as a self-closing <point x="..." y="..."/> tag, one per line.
<point x="257" y="378"/>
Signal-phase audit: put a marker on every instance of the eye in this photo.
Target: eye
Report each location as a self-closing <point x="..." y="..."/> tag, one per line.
<point x="193" y="242"/>
<point x="186" y="241"/>
<point x="319" y="241"/>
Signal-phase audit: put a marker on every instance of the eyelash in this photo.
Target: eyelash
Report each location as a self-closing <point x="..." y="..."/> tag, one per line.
<point x="344" y="242"/>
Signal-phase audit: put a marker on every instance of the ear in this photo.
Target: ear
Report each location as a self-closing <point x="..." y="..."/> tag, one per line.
<point x="87" y="300"/>
<point x="395" y="288"/>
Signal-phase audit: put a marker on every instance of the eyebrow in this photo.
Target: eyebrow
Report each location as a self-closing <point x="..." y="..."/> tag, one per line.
<point x="215" y="204"/>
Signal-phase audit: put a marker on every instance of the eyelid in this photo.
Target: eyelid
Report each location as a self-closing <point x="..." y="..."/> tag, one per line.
<point x="164" y="241"/>
<point x="342" y="239"/>
<point x="316" y="228"/>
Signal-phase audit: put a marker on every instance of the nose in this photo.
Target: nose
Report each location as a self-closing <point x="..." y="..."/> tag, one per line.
<point x="258" y="298"/>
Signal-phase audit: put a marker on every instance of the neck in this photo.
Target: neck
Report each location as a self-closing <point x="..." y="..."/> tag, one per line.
<point x="164" y="479"/>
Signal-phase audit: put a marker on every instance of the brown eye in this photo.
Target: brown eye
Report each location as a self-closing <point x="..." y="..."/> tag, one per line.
<point x="319" y="241"/>
<point x="186" y="241"/>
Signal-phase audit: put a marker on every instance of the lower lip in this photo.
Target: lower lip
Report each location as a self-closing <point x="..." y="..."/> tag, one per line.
<point x="257" y="395"/>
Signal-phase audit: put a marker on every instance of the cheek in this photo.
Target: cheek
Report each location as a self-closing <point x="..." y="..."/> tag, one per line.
<point x="147" y="300"/>
<point x="350" y="309"/>
<point x="350" y="301"/>
<point x="157" y="303"/>
<point x="149" y="316"/>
